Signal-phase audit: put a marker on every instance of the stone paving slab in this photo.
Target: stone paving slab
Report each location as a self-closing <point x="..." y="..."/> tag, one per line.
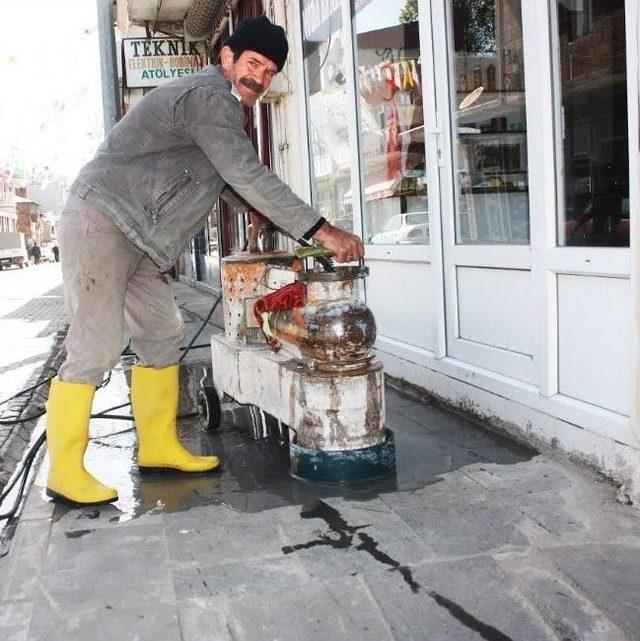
<point x="608" y="576"/>
<point x="253" y="579"/>
<point x="339" y="610"/>
<point x="126" y="554"/>
<point x="355" y="538"/>
<point x="569" y="613"/>
<point x="467" y="527"/>
<point x="457" y="601"/>
<point x="450" y="486"/>
<point x="19" y="572"/>
<point x="15" y="618"/>
<point x="67" y="610"/>
<point x="214" y="536"/>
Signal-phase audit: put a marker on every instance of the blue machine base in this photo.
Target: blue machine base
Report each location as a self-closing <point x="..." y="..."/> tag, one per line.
<point x="344" y="466"/>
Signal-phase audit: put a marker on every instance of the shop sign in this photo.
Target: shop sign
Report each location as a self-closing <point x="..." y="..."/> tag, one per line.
<point x="150" y="62"/>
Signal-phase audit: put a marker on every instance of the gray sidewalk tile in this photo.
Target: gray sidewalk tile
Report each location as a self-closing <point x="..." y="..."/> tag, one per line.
<point x="457" y="601"/>
<point x="540" y="474"/>
<point x="15" y="617"/>
<point x="234" y="580"/>
<point x="68" y="610"/>
<point x="609" y="575"/>
<point x="203" y="620"/>
<point x="552" y="513"/>
<point x="449" y="486"/>
<point x="128" y="553"/>
<point x="210" y="535"/>
<point x="348" y="538"/>
<point x="22" y="566"/>
<point x="569" y="613"/>
<point x="339" y="610"/>
<point x="466" y="527"/>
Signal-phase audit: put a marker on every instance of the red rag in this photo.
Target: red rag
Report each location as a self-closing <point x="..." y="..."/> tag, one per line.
<point x="287" y="297"/>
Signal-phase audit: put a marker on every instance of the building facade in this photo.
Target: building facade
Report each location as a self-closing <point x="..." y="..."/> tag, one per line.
<point x="28" y="217"/>
<point x="8" y="216"/>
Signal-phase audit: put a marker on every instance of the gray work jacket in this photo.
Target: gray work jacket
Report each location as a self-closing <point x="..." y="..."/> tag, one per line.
<point x="162" y="167"/>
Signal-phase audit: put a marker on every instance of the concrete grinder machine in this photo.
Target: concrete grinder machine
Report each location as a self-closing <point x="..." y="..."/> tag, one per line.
<point x="323" y="392"/>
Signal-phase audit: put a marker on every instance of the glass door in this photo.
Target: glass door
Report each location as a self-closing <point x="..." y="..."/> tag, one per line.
<point x="398" y="181"/>
<point x="480" y="72"/>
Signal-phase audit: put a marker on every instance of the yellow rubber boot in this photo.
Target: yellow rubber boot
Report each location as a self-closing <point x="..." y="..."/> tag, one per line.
<point x="68" y="415"/>
<point x="154" y="401"/>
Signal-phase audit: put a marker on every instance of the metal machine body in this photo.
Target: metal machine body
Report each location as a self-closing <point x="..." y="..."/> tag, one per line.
<point x="324" y="385"/>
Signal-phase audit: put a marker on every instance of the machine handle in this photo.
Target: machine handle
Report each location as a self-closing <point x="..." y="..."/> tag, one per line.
<point x="319" y="252"/>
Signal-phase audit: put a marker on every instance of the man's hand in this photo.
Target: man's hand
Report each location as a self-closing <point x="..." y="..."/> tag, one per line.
<point x="346" y="247"/>
<point x="257" y="221"/>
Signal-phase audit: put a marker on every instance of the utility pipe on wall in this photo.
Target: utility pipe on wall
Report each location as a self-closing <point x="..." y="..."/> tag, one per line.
<point x="108" y="65"/>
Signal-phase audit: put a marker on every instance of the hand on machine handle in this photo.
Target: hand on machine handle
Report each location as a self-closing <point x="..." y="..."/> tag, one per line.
<point x="345" y="246"/>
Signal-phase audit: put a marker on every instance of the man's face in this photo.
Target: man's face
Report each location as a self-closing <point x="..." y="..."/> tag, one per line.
<point x="251" y="73"/>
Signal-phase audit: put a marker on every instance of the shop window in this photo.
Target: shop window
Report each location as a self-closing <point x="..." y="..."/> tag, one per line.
<point x="492" y="199"/>
<point x="592" y="124"/>
<point x="391" y="122"/>
<point x="328" y="110"/>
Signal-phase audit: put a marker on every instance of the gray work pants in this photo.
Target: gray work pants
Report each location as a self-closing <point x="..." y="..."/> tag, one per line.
<point x="109" y="281"/>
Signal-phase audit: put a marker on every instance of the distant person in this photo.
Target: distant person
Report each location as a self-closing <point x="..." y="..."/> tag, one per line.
<point x="131" y="210"/>
<point x="36" y="254"/>
<point x="56" y="253"/>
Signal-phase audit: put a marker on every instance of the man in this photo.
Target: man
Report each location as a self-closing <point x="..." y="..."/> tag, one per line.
<point x="131" y="211"/>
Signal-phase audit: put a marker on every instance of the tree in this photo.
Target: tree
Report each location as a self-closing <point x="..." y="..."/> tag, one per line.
<point x="410" y="12"/>
<point x="474" y="23"/>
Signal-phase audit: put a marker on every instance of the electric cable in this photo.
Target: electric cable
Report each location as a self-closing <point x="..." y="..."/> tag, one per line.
<point x="29" y="389"/>
<point x="23" y="474"/>
<point x="206" y="320"/>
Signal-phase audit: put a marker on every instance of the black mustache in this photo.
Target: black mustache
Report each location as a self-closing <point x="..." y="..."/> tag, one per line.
<point x="252" y="84"/>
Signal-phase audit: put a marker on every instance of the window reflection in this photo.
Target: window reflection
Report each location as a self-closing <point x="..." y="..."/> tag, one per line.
<point x="492" y="201"/>
<point x="592" y="61"/>
<point x="391" y="125"/>
<point x="327" y="107"/>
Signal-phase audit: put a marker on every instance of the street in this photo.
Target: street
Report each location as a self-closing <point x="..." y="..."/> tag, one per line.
<point x="31" y="312"/>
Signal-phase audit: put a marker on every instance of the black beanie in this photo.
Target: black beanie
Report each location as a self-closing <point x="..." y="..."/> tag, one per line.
<point x="261" y="35"/>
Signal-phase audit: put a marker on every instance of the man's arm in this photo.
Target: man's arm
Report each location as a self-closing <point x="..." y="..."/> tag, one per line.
<point x="215" y="122"/>
<point x="231" y="198"/>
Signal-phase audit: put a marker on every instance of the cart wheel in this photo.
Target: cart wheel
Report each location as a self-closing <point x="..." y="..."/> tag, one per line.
<point x="208" y="408"/>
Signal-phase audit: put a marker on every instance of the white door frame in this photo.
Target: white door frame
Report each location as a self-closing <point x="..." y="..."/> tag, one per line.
<point x="632" y="23"/>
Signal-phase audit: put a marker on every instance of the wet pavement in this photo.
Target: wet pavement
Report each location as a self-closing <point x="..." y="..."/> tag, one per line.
<point x="474" y="537"/>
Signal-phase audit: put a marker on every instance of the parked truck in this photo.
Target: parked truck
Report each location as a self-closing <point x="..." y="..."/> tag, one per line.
<point x="13" y="250"/>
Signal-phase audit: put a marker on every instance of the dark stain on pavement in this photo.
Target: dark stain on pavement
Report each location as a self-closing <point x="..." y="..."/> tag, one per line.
<point x="370" y="545"/>
<point x="337" y="525"/>
<point x="345" y="535"/>
<point x="76" y="534"/>
<point x="486" y="631"/>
